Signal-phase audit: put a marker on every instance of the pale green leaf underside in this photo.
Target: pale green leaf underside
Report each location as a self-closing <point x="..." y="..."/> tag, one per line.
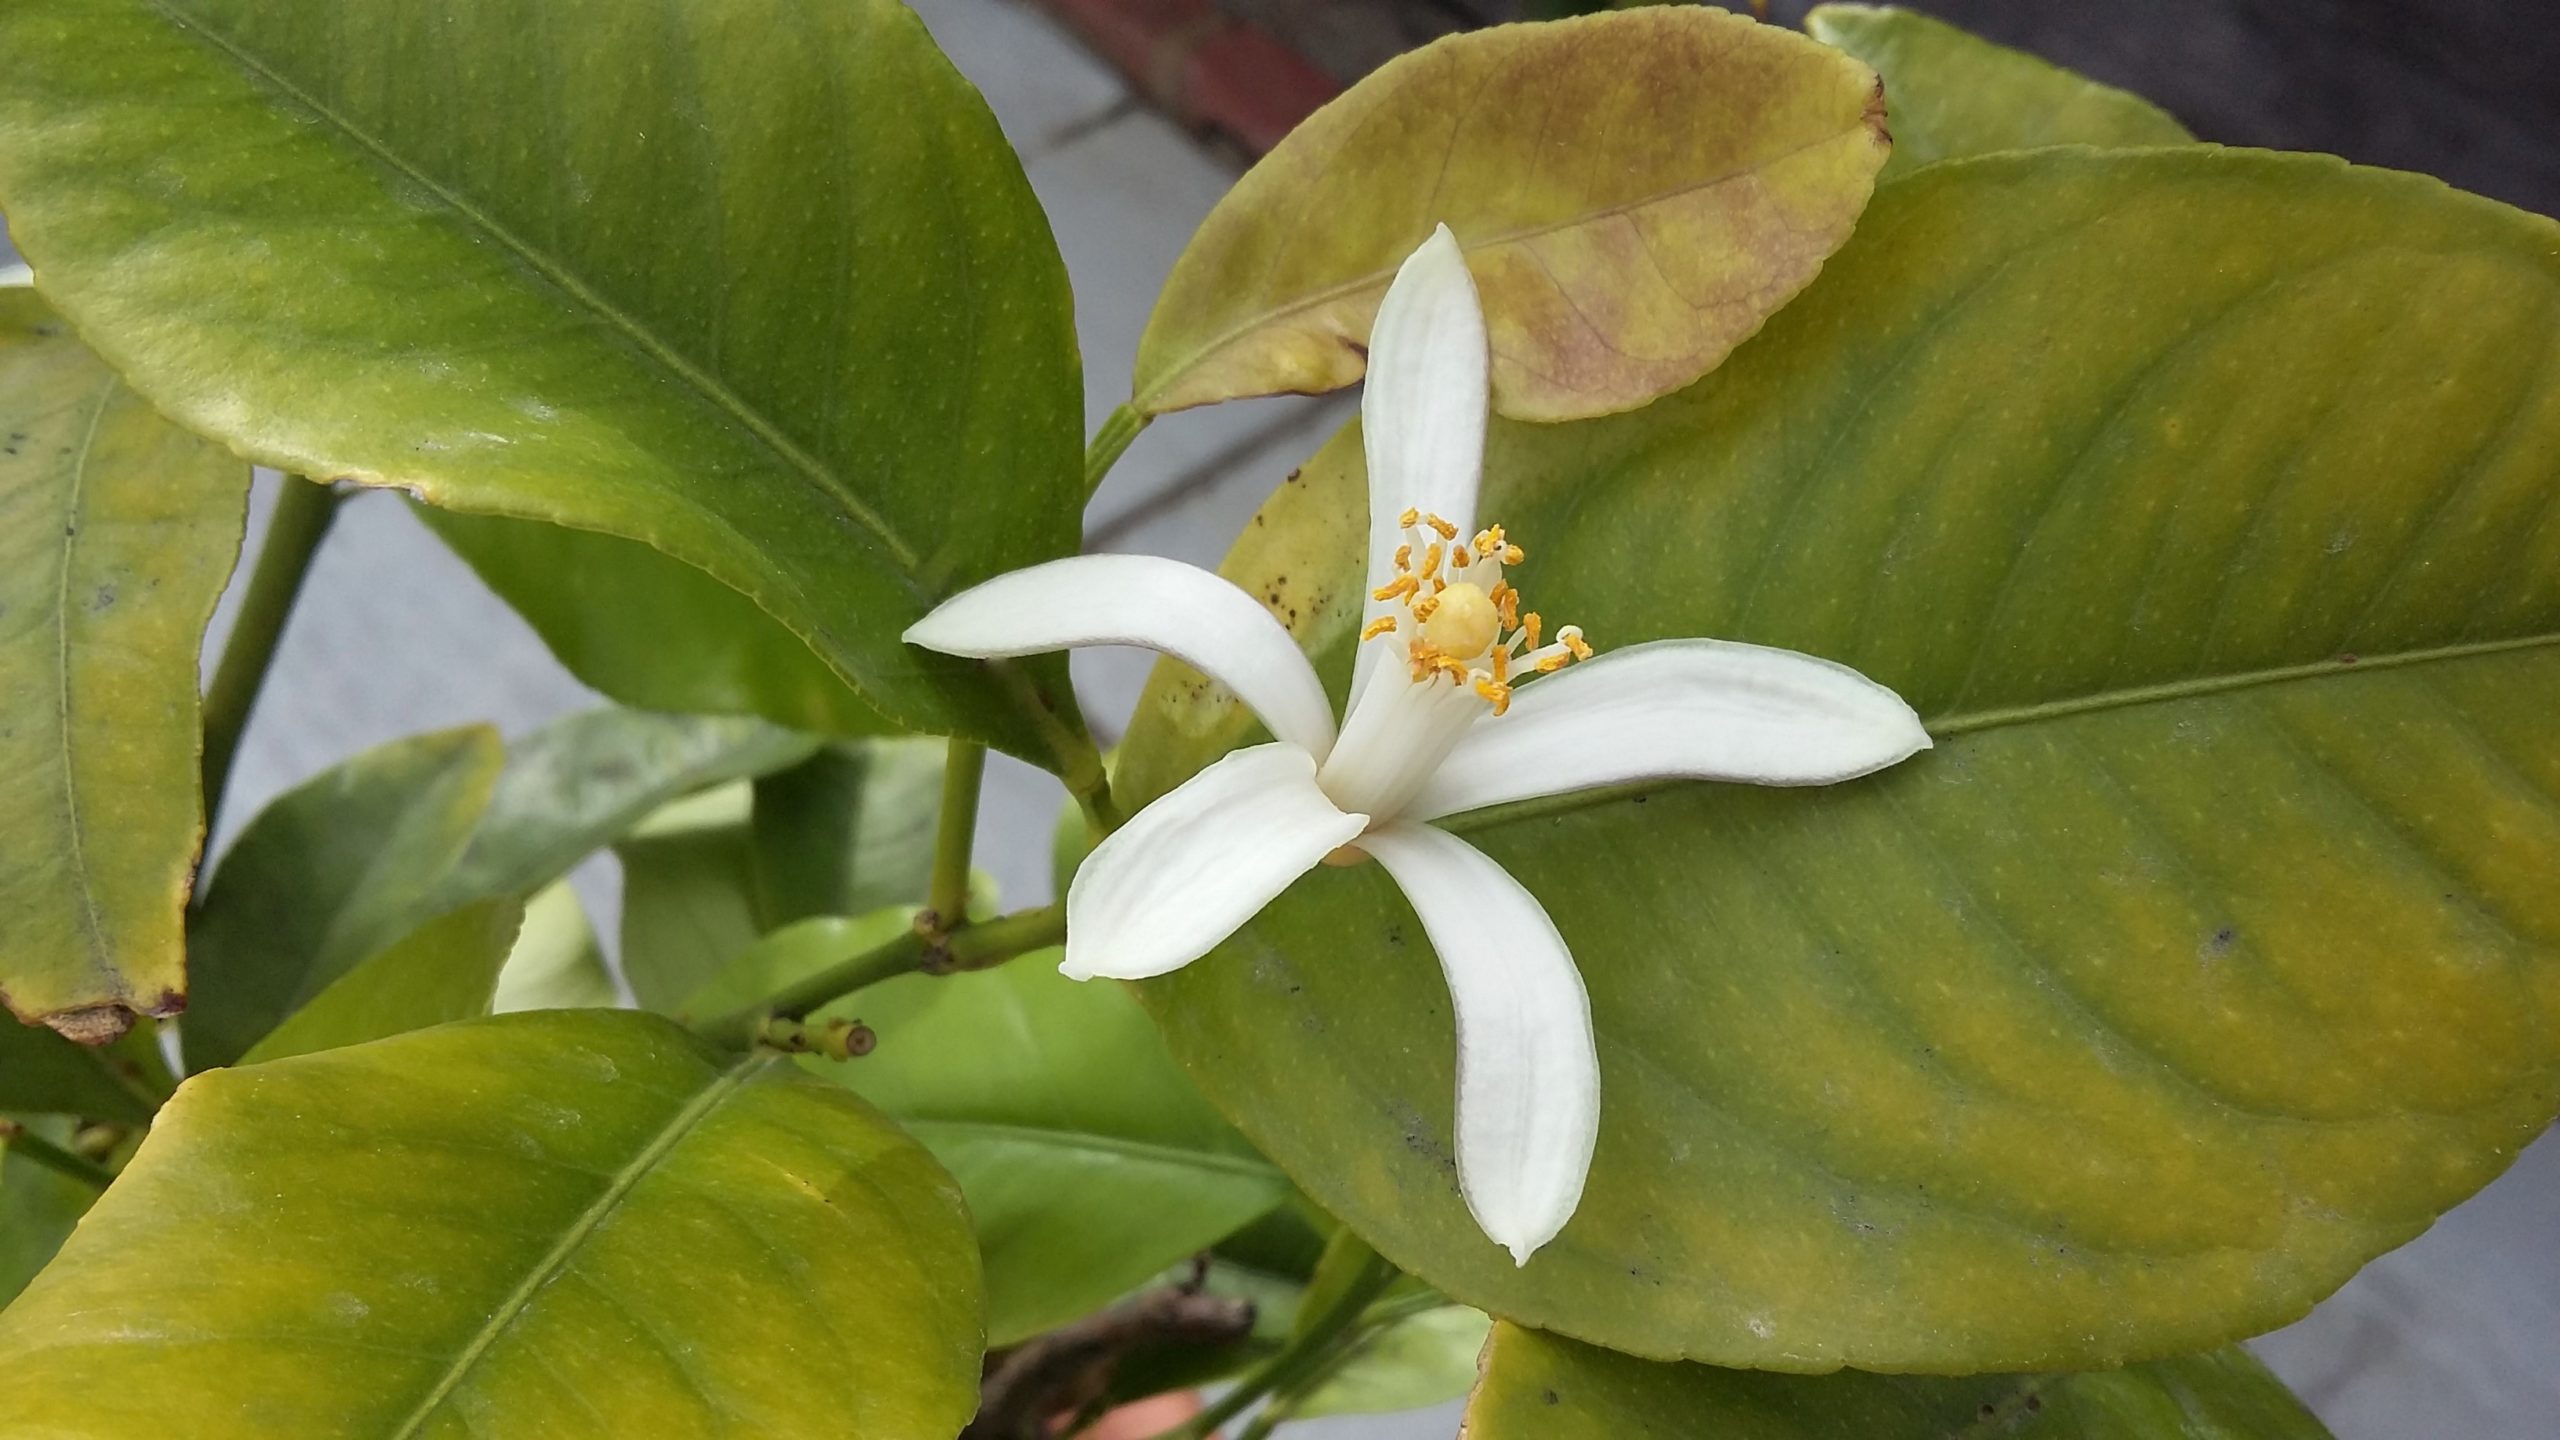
<point x="446" y="969"/>
<point x="331" y="874"/>
<point x="1538" y="1387"/>
<point x="754" y="282"/>
<point x="1949" y="94"/>
<point x="117" y="530"/>
<point x="2205" y="504"/>
<point x="580" y="1225"/>
<point x="1090" y="1162"/>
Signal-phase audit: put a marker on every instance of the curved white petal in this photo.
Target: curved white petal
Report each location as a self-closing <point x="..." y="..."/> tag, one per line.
<point x="1422" y="409"/>
<point x="1677" y="709"/>
<point x="1528" y="1074"/>
<point x="16" y="277"/>
<point x="1185" y="872"/>
<point x="1149" y="601"/>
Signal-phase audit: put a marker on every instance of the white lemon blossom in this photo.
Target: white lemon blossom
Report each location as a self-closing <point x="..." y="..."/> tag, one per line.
<point x="1457" y="703"/>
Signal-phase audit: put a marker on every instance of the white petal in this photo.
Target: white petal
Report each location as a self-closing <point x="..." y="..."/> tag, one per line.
<point x="16" y="277"/>
<point x="1528" y="1075"/>
<point x="1422" y="409"/>
<point x="1677" y="709"/>
<point x="1145" y="600"/>
<point x="1188" y="870"/>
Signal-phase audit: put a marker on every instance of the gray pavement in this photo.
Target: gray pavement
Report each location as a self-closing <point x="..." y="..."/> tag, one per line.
<point x="2455" y="1335"/>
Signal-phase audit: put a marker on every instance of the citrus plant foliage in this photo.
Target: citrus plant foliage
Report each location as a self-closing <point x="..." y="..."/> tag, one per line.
<point x="2126" y="571"/>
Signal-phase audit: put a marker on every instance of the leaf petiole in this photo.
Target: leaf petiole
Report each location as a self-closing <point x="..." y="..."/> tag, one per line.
<point x="38" y="1150"/>
<point x="971" y="947"/>
<point x="304" y="510"/>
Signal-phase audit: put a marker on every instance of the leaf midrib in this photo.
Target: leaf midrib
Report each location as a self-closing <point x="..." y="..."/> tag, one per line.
<point x="1965" y="723"/>
<point x="518" y="1301"/>
<point x="1068" y="1137"/>
<point x="94" y="924"/>
<point x="693" y="377"/>
<point x="1373" y="278"/>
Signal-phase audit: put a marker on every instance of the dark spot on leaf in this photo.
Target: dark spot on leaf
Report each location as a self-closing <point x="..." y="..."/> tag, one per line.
<point x="1553" y="1398"/>
<point x="2034" y="1403"/>
<point x="2348" y="658"/>
<point x="2218" y="944"/>
<point x="1988" y="1411"/>
<point x="103" y="601"/>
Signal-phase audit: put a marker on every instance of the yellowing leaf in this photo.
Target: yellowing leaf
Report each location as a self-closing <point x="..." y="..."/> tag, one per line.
<point x="117" y="530"/>
<point x="1636" y="193"/>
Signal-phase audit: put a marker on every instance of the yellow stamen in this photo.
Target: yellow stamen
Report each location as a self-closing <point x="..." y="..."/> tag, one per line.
<point x="1554" y="663"/>
<point x="1501" y="663"/>
<point x="1507" y="600"/>
<point x="1408" y="518"/>
<point x="1383" y="625"/>
<point x="1396" y="589"/>
<point x="1495" y="691"/>
<point x="1447" y="530"/>
<point x="1513" y="554"/>
<point x="1572" y="640"/>
<point x="1404" y="558"/>
<point x="1423" y="607"/>
<point x="1529" y="630"/>
<point x="1430" y="566"/>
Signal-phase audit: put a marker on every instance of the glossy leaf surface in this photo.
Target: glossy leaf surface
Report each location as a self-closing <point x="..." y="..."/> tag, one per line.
<point x="117" y="530"/>
<point x="1538" y="1387"/>
<point x="754" y="282"/>
<point x="333" y="873"/>
<point x="445" y="970"/>
<point x="650" y="631"/>
<point x="1090" y="1162"/>
<point x="693" y="1245"/>
<point x="1949" y="94"/>
<point x="1636" y="193"/>
<point x="2204" y="504"/>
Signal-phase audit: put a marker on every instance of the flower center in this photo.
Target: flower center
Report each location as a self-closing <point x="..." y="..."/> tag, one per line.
<point x="1460" y="618"/>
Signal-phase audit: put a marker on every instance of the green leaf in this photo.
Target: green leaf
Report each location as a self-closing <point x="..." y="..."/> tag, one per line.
<point x="688" y="896"/>
<point x="754" y="282"/>
<point x="848" y="831"/>
<point x="1542" y="1387"/>
<point x="652" y="632"/>
<point x="2202" y="502"/>
<point x="691" y="1245"/>
<point x="41" y="1072"/>
<point x="1949" y="94"/>
<point x="117" y="530"/>
<point x="578" y="783"/>
<point x="556" y="963"/>
<point x="446" y="969"/>
<point x="1090" y="1162"/>
<point x="37" y="1207"/>
<point x="333" y="873"/>
<point x="845" y="833"/>
<point x="1420" y="1354"/>
<point x="1636" y="193"/>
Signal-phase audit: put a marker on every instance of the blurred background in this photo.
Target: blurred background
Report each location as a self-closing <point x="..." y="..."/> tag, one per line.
<point x="1134" y="116"/>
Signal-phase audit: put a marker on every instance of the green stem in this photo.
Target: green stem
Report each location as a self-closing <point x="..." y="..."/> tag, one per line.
<point x="34" y="1147"/>
<point x="1079" y="763"/>
<point x="1305" y="1357"/>
<point x="972" y="947"/>
<point x="1109" y="442"/>
<point x="303" y="513"/>
<point x="947" y="897"/>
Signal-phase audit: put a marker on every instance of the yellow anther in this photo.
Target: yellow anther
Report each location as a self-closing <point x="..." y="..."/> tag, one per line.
<point x="1463" y="622"/>
<point x="1447" y="530"/>
<point x="1571" y="639"/>
<point x="1408" y="518"/>
<point x="1397" y="588"/>
<point x="1501" y="663"/>
<point x="1404" y="558"/>
<point x="1431" y="558"/>
<point x="1513" y="554"/>
<point x="1495" y="691"/>
<point x="1554" y="663"/>
<point x="1507" y="600"/>
<point x="1383" y="625"/>
<point x="1529" y="624"/>
<point x="1423" y="607"/>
